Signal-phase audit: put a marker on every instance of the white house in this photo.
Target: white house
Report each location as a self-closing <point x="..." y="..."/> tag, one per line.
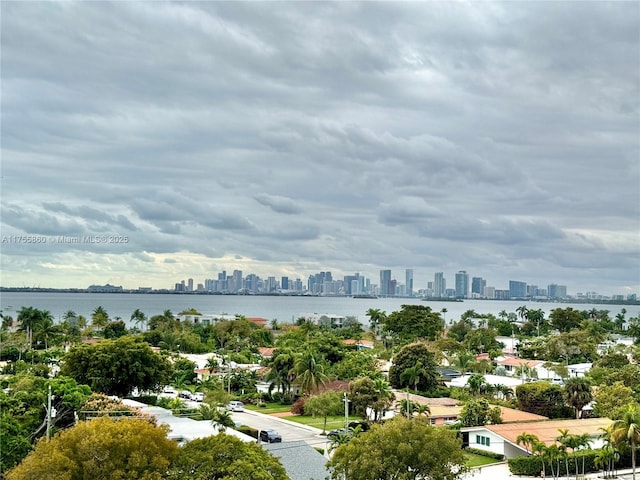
<point x="502" y="438"/>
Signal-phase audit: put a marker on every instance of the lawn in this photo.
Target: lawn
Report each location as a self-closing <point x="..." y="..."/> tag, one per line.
<point x="475" y="460"/>
<point x="270" y="407"/>
<point x="318" y="422"/>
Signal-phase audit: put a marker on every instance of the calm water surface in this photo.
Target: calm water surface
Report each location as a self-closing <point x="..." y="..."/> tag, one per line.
<point x="285" y="309"/>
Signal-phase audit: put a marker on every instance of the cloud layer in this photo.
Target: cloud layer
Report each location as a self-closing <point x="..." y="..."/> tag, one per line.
<point x="289" y="138"/>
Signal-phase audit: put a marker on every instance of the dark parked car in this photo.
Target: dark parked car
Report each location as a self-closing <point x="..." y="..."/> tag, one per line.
<point x="270" y="436"/>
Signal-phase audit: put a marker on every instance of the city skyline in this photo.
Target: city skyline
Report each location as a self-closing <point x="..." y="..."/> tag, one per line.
<point x="147" y="142"/>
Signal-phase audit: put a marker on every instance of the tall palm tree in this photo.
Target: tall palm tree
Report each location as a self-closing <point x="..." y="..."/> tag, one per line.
<point x="539" y="448"/>
<point x="310" y="373"/>
<point x="100" y="317"/>
<point x="375" y="317"/>
<point x="138" y="317"/>
<point x="626" y="431"/>
<point x="566" y="441"/>
<point x="384" y="397"/>
<point x="577" y="392"/>
<point x="28" y="318"/>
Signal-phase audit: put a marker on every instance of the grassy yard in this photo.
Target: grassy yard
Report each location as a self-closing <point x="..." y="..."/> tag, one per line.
<point x="318" y="422"/>
<point x="475" y="460"/>
<point x="270" y="407"/>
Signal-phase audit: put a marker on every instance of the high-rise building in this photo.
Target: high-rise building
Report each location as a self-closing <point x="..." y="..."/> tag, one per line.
<point x="517" y="289"/>
<point x="439" y="285"/>
<point x="236" y="280"/>
<point x="557" y="291"/>
<point x="462" y="284"/>
<point x="284" y="283"/>
<point x="385" y="283"/>
<point x="408" y="289"/>
<point x="190" y="285"/>
<point x="477" y="285"/>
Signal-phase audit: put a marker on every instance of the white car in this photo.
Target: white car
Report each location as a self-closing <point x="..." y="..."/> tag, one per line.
<point x="236" y="406"/>
<point x="197" y="397"/>
<point x="168" y="389"/>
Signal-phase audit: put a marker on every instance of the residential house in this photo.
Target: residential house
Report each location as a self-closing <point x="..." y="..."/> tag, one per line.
<point x="301" y="461"/>
<point x="502" y="438"/>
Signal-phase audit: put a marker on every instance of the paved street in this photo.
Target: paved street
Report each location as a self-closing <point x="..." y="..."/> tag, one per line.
<point x="290" y="431"/>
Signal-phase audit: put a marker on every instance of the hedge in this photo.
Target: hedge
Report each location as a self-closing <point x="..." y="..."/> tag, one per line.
<point x="532" y="466"/>
<point x="485" y="453"/>
<point x="252" y="432"/>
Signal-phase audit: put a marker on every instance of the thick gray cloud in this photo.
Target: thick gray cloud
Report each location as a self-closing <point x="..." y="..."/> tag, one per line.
<point x="499" y="138"/>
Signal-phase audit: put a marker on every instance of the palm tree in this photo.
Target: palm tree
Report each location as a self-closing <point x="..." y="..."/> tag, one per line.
<point x="522" y="311"/>
<point x="565" y="440"/>
<point x="477" y="384"/>
<point x="212" y="364"/>
<point x="28" y="318"/>
<point x="527" y="440"/>
<point x="539" y="448"/>
<point x="375" y="317"/>
<point x="413" y="375"/>
<point x="577" y="391"/>
<point x="45" y="329"/>
<point x="310" y="373"/>
<point x="138" y="317"/>
<point x="100" y="317"/>
<point x="626" y="431"/>
<point x="222" y="420"/>
<point x="384" y="397"/>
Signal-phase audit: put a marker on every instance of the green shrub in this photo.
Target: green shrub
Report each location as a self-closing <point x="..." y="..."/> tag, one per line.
<point x="532" y="466"/>
<point x="247" y="430"/>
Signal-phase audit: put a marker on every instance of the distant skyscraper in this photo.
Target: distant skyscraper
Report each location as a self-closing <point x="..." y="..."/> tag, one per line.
<point x="237" y="281"/>
<point x="190" y="285"/>
<point x="284" y="283"/>
<point x="557" y="291"/>
<point x="385" y="283"/>
<point x="439" y="285"/>
<point x="477" y="285"/>
<point x="517" y="289"/>
<point x="462" y="284"/>
<point x="409" y="282"/>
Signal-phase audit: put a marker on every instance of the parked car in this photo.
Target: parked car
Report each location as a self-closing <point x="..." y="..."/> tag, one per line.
<point x="236" y="406"/>
<point x="270" y="436"/>
<point x="337" y="433"/>
<point x="185" y="394"/>
<point x="197" y="397"/>
<point x="168" y="389"/>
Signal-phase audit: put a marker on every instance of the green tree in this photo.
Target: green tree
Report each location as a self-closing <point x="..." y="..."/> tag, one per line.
<point x="102" y="449"/>
<point x="477" y="411"/>
<point x="225" y="457"/>
<point x="116" y="367"/>
<point x="309" y="372"/>
<point x="99" y="317"/>
<point x="409" y="356"/>
<point x="625" y="432"/>
<point x="612" y="400"/>
<point x="542" y="398"/>
<point x="115" y="329"/>
<point x="375" y="319"/>
<point x="375" y="395"/>
<point x="565" y="319"/>
<point x="577" y="393"/>
<point x="413" y="322"/>
<point x="324" y="404"/>
<point x="413" y="374"/>
<point x="139" y="318"/>
<point x="401" y="450"/>
<point x="528" y="440"/>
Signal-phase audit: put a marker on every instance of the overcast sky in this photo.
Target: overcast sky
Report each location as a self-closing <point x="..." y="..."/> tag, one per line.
<point x="290" y="138"/>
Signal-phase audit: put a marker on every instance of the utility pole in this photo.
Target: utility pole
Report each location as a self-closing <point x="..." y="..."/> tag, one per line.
<point x="49" y="413"/>
<point x="346" y="410"/>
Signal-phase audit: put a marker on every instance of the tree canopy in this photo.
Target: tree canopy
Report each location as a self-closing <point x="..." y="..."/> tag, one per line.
<point x="401" y="449"/>
<point x="412" y="322"/>
<point x="408" y="357"/>
<point x="100" y="449"/>
<point x="224" y="457"/>
<point x="116" y="367"/>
